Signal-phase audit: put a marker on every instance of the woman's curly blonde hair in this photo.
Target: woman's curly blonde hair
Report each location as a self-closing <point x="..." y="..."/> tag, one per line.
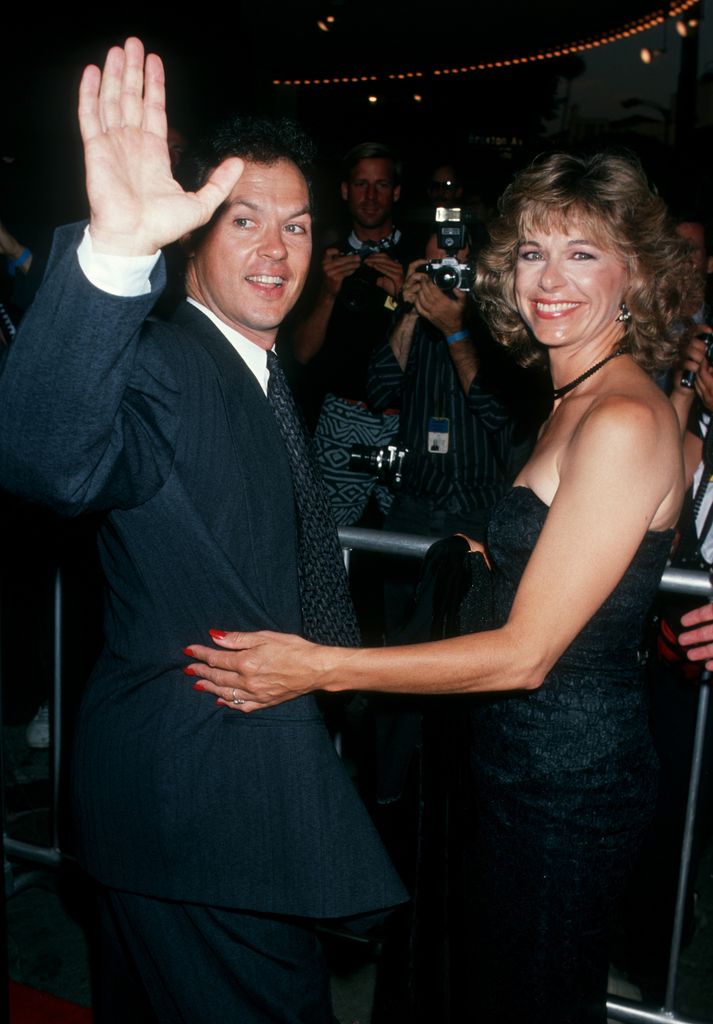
<point x="609" y="196"/>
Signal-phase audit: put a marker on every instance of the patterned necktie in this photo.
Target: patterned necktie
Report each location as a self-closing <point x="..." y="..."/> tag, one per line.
<point x="327" y="611"/>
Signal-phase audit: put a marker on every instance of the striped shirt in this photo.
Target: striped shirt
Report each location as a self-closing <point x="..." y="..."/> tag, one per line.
<point x="472" y="473"/>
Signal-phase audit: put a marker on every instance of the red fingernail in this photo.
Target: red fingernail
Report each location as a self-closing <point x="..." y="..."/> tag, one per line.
<point x="189" y="652"/>
<point x="218" y="634"/>
<point x="220" y="702"/>
<point x="189" y="671"/>
<point x="198" y="686"/>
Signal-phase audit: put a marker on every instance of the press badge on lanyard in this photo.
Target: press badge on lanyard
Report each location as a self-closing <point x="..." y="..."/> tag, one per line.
<point x="438" y="430"/>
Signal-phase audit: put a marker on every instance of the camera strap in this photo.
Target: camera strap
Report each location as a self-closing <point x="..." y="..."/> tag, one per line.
<point x="385" y="244"/>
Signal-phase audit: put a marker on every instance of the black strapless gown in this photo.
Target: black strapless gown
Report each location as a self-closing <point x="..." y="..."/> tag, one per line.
<point x="565" y="784"/>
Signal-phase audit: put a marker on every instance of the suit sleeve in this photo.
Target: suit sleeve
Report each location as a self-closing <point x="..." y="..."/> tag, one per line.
<point x="89" y="402"/>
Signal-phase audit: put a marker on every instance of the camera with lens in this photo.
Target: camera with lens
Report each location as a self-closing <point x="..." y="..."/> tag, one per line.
<point x="385" y="463"/>
<point x="688" y="376"/>
<point x="449" y="273"/>
<point x="359" y="291"/>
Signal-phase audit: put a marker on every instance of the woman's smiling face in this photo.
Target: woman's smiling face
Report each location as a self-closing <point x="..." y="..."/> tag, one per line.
<point x="569" y="287"/>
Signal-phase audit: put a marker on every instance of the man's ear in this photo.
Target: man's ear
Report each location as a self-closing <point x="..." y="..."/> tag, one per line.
<point x="345" y="190"/>
<point x="397" y="193"/>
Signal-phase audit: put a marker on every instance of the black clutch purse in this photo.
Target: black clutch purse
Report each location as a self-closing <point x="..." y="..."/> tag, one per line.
<point x="476" y="612"/>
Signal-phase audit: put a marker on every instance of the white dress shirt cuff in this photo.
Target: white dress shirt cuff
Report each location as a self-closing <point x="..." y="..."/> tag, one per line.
<point x="126" y="276"/>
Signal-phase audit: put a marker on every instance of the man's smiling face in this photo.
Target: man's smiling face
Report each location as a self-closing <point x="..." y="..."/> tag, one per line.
<point x="250" y="267"/>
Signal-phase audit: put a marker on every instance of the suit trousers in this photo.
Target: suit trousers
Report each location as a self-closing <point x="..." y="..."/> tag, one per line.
<point x="163" y="962"/>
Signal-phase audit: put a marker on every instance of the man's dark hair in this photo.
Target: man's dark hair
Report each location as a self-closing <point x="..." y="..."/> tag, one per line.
<point x="688" y="216"/>
<point x="370" y="151"/>
<point x="261" y="140"/>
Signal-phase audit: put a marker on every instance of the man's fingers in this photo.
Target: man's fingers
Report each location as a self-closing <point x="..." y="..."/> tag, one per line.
<point x="704" y="613"/>
<point x="694" y="636"/>
<point x="700" y="653"/>
<point x="132" y="84"/>
<point x="154" y="110"/>
<point x="88" y="108"/>
<point x="110" y="89"/>
<point x="219" y="185"/>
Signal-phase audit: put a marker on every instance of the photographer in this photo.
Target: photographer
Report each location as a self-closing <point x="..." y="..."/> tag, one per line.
<point x="347" y="313"/>
<point x="456" y="428"/>
<point x="674" y="679"/>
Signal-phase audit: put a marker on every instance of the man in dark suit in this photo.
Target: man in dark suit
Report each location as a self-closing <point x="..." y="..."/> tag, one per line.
<point x="217" y="838"/>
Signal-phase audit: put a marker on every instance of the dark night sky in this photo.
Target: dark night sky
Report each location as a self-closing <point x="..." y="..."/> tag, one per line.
<point x="217" y="66"/>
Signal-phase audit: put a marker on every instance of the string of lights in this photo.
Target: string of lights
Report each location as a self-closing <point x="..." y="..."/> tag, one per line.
<point x="631" y="28"/>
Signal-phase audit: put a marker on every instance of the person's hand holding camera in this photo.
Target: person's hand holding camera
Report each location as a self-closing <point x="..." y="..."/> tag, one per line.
<point x="692" y="374"/>
<point x="412" y="284"/>
<point x="703" y="383"/>
<point x="335" y="268"/>
<point x="445" y="310"/>
<point x="390" y="270"/>
<point x="693" y="354"/>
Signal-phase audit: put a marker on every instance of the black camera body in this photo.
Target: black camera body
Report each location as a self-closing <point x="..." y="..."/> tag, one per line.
<point x="449" y="273"/>
<point x="386" y="463"/>
<point x="359" y="291"/>
<point x="688" y="376"/>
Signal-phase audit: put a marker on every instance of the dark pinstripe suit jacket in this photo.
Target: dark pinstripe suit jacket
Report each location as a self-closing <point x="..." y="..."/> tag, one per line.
<point x="164" y="428"/>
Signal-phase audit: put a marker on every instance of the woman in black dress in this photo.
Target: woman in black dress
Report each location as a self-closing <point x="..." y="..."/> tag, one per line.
<point x="584" y="271"/>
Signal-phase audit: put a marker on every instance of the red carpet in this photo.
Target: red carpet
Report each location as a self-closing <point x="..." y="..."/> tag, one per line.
<point x="28" y="1006"/>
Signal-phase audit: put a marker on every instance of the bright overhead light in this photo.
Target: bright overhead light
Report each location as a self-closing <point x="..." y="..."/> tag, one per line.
<point x="649" y="56"/>
<point x="687" y="27"/>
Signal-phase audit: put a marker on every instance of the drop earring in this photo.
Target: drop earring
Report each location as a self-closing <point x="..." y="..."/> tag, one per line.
<point x="624" y="314"/>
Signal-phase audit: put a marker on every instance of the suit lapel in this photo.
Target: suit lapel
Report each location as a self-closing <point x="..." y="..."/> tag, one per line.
<point x="241" y="390"/>
<point x="261" y="462"/>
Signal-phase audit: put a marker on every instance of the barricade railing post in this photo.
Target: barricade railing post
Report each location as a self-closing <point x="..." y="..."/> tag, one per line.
<point x="56" y="707"/>
<point x="628" y="1012"/>
<point x="687" y="841"/>
<point x="6" y="873"/>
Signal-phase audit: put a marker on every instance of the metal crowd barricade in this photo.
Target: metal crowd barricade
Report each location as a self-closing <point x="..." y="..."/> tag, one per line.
<point x="678" y="581"/>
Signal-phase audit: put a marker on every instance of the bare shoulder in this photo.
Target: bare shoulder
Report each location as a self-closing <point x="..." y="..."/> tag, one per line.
<point x="644" y="416"/>
<point x="630" y="442"/>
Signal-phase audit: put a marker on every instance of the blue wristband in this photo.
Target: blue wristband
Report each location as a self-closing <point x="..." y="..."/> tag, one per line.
<point x="12" y="265"/>
<point x="458" y="336"/>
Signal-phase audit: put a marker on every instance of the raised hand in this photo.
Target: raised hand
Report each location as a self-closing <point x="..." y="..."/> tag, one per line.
<point x="136" y="205"/>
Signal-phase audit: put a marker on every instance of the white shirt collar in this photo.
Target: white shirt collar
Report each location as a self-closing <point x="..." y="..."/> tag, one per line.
<point x="252" y="355"/>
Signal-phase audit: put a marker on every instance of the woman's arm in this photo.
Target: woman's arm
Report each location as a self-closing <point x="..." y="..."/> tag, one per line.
<point x="617" y="472"/>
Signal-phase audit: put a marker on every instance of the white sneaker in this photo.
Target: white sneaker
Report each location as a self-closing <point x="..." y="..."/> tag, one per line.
<point x="37" y="732"/>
